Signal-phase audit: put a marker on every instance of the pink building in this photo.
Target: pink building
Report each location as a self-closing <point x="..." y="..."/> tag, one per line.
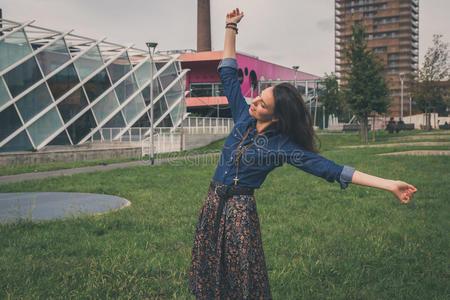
<point x="207" y="98"/>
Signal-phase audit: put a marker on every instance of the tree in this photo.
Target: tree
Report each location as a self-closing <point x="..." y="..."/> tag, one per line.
<point x="331" y="96"/>
<point x="364" y="87"/>
<point x="425" y="89"/>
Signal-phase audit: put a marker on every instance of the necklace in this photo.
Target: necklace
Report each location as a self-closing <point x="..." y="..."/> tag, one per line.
<point x="239" y="152"/>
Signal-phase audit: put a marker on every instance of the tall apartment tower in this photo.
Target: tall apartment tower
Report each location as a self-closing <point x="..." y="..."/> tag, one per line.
<point x="392" y="28"/>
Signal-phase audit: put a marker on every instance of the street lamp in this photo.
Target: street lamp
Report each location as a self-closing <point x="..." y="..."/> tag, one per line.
<point x="217" y="96"/>
<point x="295" y="76"/>
<point x="402" y="76"/>
<point x="151" y="50"/>
<point x="410" y="109"/>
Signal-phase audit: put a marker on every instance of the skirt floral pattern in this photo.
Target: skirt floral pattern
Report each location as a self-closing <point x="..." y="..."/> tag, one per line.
<point x="227" y="255"/>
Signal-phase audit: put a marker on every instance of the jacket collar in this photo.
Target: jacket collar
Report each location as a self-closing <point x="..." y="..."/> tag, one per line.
<point x="273" y="130"/>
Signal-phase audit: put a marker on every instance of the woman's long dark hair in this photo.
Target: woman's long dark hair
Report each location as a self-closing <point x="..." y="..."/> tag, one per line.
<point x="294" y="119"/>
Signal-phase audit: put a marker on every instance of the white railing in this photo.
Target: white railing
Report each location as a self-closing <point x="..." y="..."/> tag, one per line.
<point x="199" y="125"/>
<point x="191" y="125"/>
<point x="164" y="143"/>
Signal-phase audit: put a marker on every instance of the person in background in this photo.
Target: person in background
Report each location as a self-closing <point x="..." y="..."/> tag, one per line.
<point x="391" y="125"/>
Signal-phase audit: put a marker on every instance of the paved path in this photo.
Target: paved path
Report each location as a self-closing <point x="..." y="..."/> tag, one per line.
<point x="39" y="175"/>
<point x="420" y="137"/>
<point x="419" y="152"/>
<point x="399" y="144"/>
<point x="435" y="132"/>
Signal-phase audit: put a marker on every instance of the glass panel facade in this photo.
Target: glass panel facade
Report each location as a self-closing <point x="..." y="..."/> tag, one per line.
<point x="175" y="114"/>
<point x="44" y="127"/>
<point x="34" y="102"/>
<point x="143" y="121"/>
<point x="63" y="81"/>
<point x="89" y="62"/>
<point x="132" y="109"/>
<point x="10" y="122"/>
<point x="105" y="106"/>
<point x="167" y="122"/>
<point x="143" y="73"/>
<point x="61" y="139"/>
<point x="173" y="94"/>
<point x="53" y="57"/>
<point x="4" y="97"/>
<point x="21" y="142"/>
<point x="97" y="85"/>
<point x="17" y="82"/>
<point x="160" y="109"/>
<point x="22" y="77"/>
<point x="13" y="48"/>
<point x="116" y="122"/>
<point x="119" y="68"/>
<point x="159" y="65"/>
<point x="156" y="91"/>
<point x="72" y="105"/>
<point x="126" y="88"/>
<point x="168" y="76"/>
<point x="81" y="127"/>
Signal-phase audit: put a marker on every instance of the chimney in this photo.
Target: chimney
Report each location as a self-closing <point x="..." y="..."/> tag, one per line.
<point x="203" y="26"/>
<point x="1" y="19"/>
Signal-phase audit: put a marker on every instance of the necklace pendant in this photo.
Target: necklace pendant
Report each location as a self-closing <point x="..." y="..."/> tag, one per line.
<point x="235" y="180"/>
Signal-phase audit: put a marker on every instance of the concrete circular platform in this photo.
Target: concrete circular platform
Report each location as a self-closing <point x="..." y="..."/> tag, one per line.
<point x="46" y="206"/>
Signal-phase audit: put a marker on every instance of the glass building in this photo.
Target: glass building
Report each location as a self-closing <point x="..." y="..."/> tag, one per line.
<point x="58" y="88"/>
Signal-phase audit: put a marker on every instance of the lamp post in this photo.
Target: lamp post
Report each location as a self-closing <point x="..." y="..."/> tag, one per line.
<point x="151" y="50"/>
<point x="217" y="96"/>
<point x="410" y="109"/>
<point x="401" y="75"/>
<point x="295" y="75"/>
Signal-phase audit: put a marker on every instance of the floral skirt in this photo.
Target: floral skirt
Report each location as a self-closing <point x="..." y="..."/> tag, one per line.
<point x="227" y="256"/>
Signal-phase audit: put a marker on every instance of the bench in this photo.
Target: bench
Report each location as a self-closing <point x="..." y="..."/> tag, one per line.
<point x="445" y="126"/>
<point x="353" y="127"/>
<point x="409" y="126"/>
<point x="398" y="127"/>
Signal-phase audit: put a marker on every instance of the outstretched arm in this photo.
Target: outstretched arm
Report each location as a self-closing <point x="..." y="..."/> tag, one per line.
<point x="320" y="166"/>
<point x="402" y="190"/>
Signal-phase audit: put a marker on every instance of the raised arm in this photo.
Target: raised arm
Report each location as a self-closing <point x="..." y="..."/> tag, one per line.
<point x="402" y="190"/>
<point x="228" y="68"/>
<point x="231" y="21"/>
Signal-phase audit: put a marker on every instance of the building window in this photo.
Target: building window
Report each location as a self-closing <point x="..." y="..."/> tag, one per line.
<point x="206" y="89"/>
<point x="380" y="50"/>
<point x="240" y="76"/>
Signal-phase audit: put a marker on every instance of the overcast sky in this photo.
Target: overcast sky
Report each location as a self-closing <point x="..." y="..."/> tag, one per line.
<point x="286" y="32"/>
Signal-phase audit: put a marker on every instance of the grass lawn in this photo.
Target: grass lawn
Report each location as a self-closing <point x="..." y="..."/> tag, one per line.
<point x="319" y="241"/>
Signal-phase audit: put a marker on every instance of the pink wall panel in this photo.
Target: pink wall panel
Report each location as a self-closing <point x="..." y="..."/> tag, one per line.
<point x="206" y="71"/>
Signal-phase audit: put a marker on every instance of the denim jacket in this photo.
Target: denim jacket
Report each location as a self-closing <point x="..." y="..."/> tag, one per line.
<point x="266" y="151"/>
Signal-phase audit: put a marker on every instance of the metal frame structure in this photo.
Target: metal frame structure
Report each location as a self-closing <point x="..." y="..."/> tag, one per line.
<point x="50" y="53"/>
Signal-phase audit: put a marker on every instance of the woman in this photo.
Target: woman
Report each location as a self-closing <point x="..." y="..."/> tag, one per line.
<point x="227" y="256"/>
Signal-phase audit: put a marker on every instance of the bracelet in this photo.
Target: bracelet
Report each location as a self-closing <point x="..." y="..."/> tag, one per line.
<point x="232" y="27"/>
<point x="231" y="23"/>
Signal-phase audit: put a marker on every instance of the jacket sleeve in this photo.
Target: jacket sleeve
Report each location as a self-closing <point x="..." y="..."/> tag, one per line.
<point x="317" y="165"/>
<point x="228" y="69"/>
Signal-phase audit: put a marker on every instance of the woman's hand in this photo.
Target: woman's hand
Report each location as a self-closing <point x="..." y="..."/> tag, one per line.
<point x="403" y="191"/>
<point x="234" y="17"/>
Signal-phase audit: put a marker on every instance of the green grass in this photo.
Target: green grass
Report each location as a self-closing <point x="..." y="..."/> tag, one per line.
<point x="4" y="171"/>
<point x="320" y="242"/>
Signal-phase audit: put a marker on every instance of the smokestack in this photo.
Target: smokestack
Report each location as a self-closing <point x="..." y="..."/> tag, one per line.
<point x="203" y="26"/>
<point x="1" y="18"/>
